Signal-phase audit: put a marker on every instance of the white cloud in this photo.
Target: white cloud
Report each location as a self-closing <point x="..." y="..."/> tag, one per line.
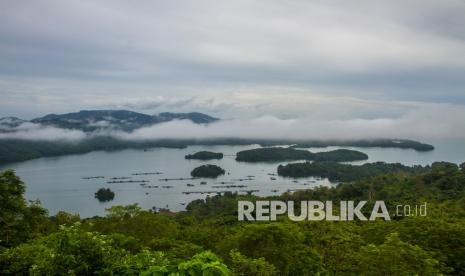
<point x="422" y="122"/>
<point x="427" y="123"/>
<point x="36" y="132"/>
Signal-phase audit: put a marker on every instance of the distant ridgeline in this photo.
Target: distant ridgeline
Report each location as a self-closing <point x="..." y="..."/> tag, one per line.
<point x="95" y="122"/>
<point x="379" y="143"/>
<point x="285" y="154"/>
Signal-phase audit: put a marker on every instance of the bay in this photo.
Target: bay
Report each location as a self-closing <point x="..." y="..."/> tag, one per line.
<point x="58" y="181"/>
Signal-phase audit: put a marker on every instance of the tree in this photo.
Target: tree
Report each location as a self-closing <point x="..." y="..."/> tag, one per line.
<point x="19" y="220"/>
<point x="280" y="244"/>
<point x="243" y="266"/>
<point x="395" y="257"/>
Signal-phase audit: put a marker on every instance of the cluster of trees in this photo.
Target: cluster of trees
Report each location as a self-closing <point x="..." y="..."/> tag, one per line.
<point x="205" y="155"/>
<point x="274" y="154"/>
<point x="337" y="172"/>
<point x="211" y="171"/>
<point x="104" y="194"/>
<point x="207" y="238"/>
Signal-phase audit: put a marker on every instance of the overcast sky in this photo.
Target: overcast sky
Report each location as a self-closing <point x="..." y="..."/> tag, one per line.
<point x="366" y="60"/>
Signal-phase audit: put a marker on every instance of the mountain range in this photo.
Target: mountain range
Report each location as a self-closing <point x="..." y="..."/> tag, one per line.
<point x="92" y="120"/>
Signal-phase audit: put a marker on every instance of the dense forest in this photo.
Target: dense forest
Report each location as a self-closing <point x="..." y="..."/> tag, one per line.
<point x="207" y="238"/>
<point x="273" y="154"/>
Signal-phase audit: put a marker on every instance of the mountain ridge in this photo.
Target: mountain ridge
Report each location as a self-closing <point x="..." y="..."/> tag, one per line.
<point x="118" y="119"/>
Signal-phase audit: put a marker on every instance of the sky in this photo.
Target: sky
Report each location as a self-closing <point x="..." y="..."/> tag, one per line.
<point x="340" y="61"/>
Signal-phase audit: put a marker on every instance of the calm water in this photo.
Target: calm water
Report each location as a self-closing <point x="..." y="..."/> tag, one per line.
<point x="58" y="182"/>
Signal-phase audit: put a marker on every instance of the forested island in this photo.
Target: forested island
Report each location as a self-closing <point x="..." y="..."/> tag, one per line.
<point x="274" y="154"/>
<point x="337" y="172"/>
<point x="210" y="171"/>
<point x="207" y="238"/>
<point x="104" y="194"/>
<point x="205" y="155"/>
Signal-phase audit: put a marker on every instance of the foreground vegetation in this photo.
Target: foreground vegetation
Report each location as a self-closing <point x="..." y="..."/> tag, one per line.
<point x="207" y="239"/>
<point x="275" y="154"/>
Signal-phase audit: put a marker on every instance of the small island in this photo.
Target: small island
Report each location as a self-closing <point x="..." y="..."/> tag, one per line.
<point x="276" y="154"/>
<point x="210" y="171"/>
<point x="205" y="155"/>
<point x="104" y="194"/>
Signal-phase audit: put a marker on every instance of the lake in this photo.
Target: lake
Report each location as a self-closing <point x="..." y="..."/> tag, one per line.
<point x="58" y="181"/>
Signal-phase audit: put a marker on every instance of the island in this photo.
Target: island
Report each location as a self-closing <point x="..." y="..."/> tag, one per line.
<point x="275" y="154"/>
<point x="104" y="194"/>
<point x="205" y="155"/>
<point x="368" y="143"/>
<point x="337" y="172"/>
<point x="210" y="171"/>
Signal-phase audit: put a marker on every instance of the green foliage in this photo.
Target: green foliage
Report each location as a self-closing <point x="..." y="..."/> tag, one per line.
<point x="211" y="171"/>
<point x="279" y="244"/>
<point x="243" y="266"/>
<point x="395" y="257"/>
<point x="74" y="251"/>
<point x="205" y="155"/>
<point x="205" y="263"/>
<point x="275" y="154"/>
<point x="132" y="241"/>
<point x="64" y="218"/>
<point x="19" y="220"/>
<point x="69" y="251"/>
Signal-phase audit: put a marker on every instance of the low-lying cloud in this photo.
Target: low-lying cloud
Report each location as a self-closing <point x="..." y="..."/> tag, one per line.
<point x="432" y="122"/>
<point x="30" y="131"/>
<point x="425" y="124"/>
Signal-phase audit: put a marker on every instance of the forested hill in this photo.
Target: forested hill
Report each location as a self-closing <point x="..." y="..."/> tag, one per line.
<point x="91" y="120"/>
